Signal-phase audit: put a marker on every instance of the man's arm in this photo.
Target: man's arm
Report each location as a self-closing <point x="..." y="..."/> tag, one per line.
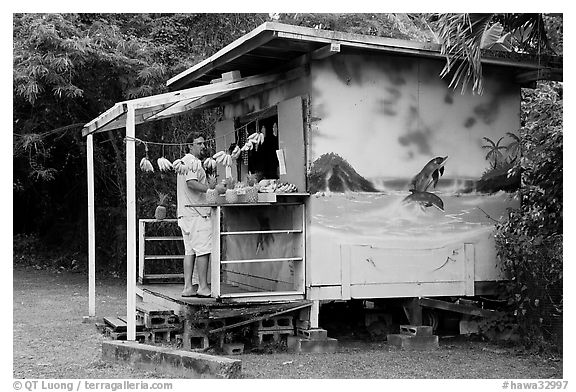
<point x="199" y="187"/>
<point x="196" y="186"/>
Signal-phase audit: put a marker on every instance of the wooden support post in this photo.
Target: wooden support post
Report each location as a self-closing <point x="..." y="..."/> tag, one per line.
<point x="91" y="229"/>
<point x="413" y="311"/>
<point x="130" y="224"/>
<point x="215" y="256"/>
<point x="315" y="314"/>
<point x="141" y="249"/>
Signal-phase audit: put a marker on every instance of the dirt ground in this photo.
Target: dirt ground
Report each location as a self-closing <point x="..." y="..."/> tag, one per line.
<point x="50" y="341"/>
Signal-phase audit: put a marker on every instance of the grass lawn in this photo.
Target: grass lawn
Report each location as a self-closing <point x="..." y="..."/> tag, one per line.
<point x="50" y="341"/>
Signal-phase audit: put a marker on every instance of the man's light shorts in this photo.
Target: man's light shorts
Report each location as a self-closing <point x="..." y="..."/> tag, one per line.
<point x="197" y="234"/>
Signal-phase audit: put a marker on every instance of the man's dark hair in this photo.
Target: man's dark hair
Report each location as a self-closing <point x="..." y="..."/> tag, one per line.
<point x="190" y="139"/>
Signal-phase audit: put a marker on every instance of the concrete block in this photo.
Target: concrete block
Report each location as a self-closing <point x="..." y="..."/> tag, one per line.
<point x="195" y="342"/>
<point x="313" y="334"/>
<point x="233" y="348"/>
<point x="296" y="344"/>
<point x="416" y="330"/>
<point x="276" y="323"/>
<point x="412" y="342"/>
<point x="272" y="336"/>
<point x="176" y="363"/>
<point x="163" y="335"/>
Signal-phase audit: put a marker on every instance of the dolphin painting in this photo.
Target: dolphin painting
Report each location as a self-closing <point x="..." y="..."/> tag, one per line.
<point x="425" y="199"/>
<point x="429" y="175"/>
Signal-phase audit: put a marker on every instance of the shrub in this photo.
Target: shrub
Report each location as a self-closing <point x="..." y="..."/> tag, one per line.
<point x="530" y="242"/>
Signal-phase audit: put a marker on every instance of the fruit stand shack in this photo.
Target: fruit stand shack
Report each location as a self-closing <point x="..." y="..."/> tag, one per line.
<point x="347" y="121"/>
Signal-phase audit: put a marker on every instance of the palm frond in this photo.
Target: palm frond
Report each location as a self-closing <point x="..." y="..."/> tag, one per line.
<point x="462" y="36"/>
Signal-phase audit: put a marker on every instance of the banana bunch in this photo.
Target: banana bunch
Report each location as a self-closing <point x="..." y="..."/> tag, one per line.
<point x="164" y="164"/>
<point x="235" y="152"/>
<point x="285" y="187"/>
<point x="223" y="158"/>
<point x="145" y="165"/>
<point x="254" y="140"/>
<point x="267" y="186"/>
<point x="209" y="164"/>
<point x="180" y="167"/>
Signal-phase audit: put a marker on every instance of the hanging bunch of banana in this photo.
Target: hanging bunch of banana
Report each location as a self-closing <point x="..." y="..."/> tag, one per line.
<point x="235" y="152"/>
<point x="186" y="164"/>
<point x="209" y="164"/>
<point x="180" y="167"/>
<point x="164" y="164"/>
<point x="145" y="164"/>
<point x="222" y="158"/>
<point x="254" y="140"/>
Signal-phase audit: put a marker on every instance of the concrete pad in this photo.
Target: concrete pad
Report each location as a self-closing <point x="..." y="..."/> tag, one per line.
<point x="177" y="363"/>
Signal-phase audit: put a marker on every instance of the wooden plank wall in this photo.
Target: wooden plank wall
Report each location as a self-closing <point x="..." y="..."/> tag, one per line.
<point x="265" y="276"/>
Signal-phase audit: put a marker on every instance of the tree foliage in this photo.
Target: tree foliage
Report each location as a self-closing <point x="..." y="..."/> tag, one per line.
<point x="530" y="241"/>
<point x="69" y="68"/>
<point x="464" y="38"/>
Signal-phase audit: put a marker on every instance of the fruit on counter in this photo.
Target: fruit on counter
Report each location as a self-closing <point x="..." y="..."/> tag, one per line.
<point x="285" y="187"/>
<point x="251" y="179"/>
<point x="164" y="164"/>
<point x="267" y="186"/>
<point x="212" y="193"/>
<point x="231" y="195"/>
<point x="251" y="195"/>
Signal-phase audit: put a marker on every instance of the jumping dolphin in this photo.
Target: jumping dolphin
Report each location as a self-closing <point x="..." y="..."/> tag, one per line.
<point x="425" y="199"/>
<point x="429" y="175"/>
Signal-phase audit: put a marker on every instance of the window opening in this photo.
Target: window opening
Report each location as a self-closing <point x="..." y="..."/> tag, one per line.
<point x="262" y="161"/>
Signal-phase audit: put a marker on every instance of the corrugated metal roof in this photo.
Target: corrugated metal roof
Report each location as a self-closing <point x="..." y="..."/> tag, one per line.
<point x="271" y="46"/>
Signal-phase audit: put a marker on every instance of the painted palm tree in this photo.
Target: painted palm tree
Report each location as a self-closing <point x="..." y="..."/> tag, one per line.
<point x="513" y="149"/>
<point x="464" y="36"/>
<point x="495" y="155"/>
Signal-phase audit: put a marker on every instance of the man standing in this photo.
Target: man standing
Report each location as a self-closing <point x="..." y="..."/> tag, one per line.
<point x="195" y="222"/>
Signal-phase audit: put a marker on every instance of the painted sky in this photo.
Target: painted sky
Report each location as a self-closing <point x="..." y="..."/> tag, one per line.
<point x="389" y="116"/>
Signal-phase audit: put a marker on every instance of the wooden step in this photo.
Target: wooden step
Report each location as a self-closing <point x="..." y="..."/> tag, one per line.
<point x="153" y="309"/>
<point x="142" y="336"/>
<point x="163" y="257"/>
<point x="116" y="324"/>
<point x="162" y="278"/>
<point x="164" y="238"/>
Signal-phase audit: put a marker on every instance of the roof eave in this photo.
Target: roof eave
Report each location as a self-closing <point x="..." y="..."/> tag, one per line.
<point x="270" y="30"/>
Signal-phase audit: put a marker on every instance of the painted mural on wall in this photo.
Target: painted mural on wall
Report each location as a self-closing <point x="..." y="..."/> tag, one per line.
<point x="398" y="156"/>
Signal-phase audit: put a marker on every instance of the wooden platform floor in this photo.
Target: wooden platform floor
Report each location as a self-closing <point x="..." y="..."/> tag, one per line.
<point x="173" y="291"/>
<point x="214" y="309"/>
